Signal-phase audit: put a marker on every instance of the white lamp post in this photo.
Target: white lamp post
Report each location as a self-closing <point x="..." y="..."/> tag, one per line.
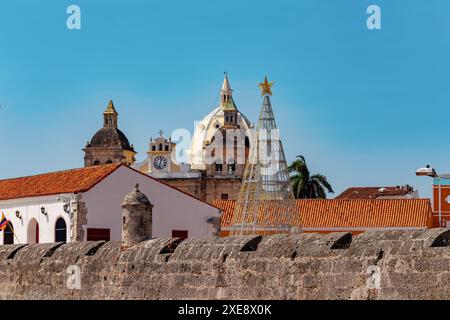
<point x="430" y="172"/>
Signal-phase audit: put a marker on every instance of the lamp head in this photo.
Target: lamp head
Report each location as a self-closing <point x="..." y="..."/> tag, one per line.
<point x="426" y="171"/>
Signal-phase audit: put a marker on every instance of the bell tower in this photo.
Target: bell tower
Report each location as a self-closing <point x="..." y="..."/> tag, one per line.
<point x="160" y="156"/>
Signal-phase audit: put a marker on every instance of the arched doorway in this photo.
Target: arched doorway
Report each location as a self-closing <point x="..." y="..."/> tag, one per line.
<point x="33" y="231"/>
<point x="8" y="234"/>
<point x="60" y="230"/>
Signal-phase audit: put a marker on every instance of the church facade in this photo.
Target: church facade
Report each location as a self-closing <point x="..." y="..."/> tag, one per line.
<point x="217" y="156"/>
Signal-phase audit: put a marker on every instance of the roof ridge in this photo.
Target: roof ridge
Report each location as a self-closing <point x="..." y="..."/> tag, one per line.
<point x="113" y="165"/>
<point x="58" y="182"/>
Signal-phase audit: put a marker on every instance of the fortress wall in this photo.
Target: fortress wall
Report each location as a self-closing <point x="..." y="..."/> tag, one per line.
<point x="411" y="265"/>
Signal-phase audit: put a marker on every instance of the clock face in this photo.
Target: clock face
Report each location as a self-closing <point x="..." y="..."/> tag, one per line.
<point x="160" y="162"/>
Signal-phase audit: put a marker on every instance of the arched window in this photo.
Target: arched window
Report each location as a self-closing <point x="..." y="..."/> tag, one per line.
<point x="8" y="235"/>
<point x="109" y="161"/>
<point x="167" y="147"/>
<point x="60" y="230"/>
<point x="153" y="148"/>
<point x="160" y="147"/>
<point x="96" y="163"/>
<point x="247" y="142"/>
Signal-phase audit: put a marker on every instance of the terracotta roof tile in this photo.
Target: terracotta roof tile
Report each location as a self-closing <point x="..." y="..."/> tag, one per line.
<point x="374" y="192"/>
<point x="68" y="181"/>
<point x="348" y="213"/>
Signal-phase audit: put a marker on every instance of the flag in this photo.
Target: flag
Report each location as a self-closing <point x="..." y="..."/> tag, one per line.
<point x="3" y="222"/>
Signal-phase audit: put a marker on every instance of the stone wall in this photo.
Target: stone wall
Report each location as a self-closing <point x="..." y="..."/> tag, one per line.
<point x="215" y="187"/>
<point x="208" y="188"/>
<point x="194" y="187"/>
<point x="374" y="265"/>
<point x="78" y="220"/>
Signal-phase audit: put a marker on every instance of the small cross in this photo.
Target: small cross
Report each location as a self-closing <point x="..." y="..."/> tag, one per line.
<point x="160" y="133"/>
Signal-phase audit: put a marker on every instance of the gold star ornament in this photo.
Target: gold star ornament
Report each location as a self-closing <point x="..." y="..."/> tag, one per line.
<point x="265" y="87"/>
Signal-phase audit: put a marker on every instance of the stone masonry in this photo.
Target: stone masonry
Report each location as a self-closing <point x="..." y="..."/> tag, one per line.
<point x="78" y="220"/>
<point x="136" y="217"/>
<point x="373" y="265"/>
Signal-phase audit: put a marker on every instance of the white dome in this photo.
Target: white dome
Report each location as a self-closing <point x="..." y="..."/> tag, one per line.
<point x="205" y="130"/>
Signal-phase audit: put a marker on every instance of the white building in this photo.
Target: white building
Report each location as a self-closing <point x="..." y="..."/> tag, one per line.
<point x="85" y="204"/>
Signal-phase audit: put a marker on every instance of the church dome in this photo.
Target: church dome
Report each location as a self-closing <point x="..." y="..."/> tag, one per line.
<point x="110" y="137"/>
<point x="206" y="129"/>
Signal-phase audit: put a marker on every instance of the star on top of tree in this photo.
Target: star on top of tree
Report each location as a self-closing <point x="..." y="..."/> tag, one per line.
<point x="265" y="87"/>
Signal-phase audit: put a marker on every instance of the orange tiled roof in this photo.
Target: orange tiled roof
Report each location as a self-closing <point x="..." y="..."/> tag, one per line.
<point x="68" y="181"/>
<point x="374" y="192"/>
<point x="351" y="213"/>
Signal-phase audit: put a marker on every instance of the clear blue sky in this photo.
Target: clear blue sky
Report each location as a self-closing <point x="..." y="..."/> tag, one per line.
<point x="364" y="107"/>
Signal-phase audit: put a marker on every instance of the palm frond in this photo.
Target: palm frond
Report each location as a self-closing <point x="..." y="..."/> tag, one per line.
<point x="305" y="185"/>
<point x="323" y="181"/>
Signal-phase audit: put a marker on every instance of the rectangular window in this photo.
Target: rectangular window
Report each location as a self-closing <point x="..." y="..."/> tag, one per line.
<point x="224" y="196"/>
<point x="96" y="234"/>
<point x="183" y="234"/>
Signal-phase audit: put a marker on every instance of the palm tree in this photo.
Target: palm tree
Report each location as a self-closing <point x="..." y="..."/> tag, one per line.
<point x="305" y="185"/>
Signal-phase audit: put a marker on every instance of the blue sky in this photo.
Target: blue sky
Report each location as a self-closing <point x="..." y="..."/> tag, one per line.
<point x="364" y="107"/>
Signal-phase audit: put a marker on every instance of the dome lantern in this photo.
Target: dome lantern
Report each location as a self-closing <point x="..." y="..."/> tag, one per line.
<point x="110" y="116"/>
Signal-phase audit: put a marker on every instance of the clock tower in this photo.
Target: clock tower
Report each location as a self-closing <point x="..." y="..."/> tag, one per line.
<point x="160" y="156"/>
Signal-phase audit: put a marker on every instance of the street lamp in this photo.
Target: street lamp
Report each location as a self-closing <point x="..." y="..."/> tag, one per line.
<point x="429" y="171"/>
